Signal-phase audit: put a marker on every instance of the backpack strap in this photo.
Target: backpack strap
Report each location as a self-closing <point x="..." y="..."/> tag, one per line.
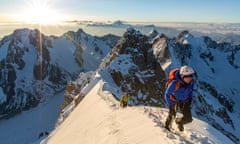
<point x="177" y="86"/>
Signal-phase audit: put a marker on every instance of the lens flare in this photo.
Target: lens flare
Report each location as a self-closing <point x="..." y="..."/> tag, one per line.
<point x="40" y="12"/>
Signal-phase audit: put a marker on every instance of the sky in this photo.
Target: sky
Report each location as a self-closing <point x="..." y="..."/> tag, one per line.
<point x="218" y="11"/>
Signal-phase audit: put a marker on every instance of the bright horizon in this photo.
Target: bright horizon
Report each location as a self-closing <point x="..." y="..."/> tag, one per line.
<point x="53" y="11"/>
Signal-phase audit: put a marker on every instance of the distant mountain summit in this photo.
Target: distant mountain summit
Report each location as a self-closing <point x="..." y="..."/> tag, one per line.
<point x="118" y="23"/>
<point x="34" y="67"/>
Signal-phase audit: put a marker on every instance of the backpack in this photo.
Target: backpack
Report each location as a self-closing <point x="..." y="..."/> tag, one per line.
<point x="171" y="77"/>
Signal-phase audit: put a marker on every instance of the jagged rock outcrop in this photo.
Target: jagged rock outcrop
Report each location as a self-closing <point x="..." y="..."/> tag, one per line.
<point x="160" y="48"/>
<point x="143" y="76"/>
<point x="73" y="89"/>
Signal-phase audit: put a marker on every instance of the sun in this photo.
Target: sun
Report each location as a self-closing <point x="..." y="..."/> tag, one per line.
<point x="40" y="13"/>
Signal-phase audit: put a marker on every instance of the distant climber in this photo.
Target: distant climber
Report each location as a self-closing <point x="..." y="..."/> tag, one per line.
<point x="178" y="96"/>
<point x="40" y="135"/>
<point x="124" y="100"/>
<point x="46" y="133"/>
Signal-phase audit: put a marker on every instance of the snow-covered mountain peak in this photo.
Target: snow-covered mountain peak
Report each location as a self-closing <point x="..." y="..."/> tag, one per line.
<point x="132" y="32"/>
<point x="28" y="69"/>
<point x="35" y="67"/>
<point x="160" y="48"/>
<point x="184" y="37"/>
<point x="78" y="35"/>
<point x="118" y="23"/>
<point x="19" y="33"/>
<point x="152" y="34"/>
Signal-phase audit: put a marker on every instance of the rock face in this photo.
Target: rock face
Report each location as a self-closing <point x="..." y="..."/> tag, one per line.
<point x="136" y="70"/>
<point x="34" y="67"/>
<point x="160" y="48"/>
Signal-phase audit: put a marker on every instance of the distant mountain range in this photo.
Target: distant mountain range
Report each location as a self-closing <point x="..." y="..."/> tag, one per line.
<point x="217" y="31"/>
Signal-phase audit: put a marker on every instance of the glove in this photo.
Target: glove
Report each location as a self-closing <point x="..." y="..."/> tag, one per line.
<point x="172" y="98"/>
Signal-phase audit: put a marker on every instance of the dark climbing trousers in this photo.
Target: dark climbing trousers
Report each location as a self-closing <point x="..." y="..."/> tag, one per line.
<point x="123" y="104"/>
<point x="184" y="108"/>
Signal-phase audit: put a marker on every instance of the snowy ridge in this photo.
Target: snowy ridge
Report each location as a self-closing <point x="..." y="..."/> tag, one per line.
<point x="106" y="123"/>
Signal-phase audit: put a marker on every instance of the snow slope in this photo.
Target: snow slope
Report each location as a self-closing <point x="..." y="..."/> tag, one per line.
<point x="99" y="120"/>
<point x="26" y="127"/>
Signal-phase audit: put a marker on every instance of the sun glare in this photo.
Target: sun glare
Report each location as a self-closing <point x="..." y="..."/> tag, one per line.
<point x="40" y="13"/>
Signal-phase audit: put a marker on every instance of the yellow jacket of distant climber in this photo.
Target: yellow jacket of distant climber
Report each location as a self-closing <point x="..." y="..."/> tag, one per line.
<point x="124" y="98"/>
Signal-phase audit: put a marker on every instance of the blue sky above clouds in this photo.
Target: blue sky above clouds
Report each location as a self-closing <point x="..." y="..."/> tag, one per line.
<point x="132" y="10"/>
